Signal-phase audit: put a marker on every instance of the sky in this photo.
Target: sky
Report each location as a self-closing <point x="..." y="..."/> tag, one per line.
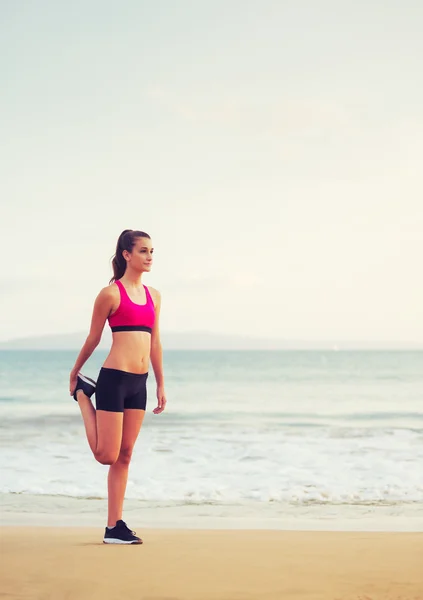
<point x="272" y="149"/>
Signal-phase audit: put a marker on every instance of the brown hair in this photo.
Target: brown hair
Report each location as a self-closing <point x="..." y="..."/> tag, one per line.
<point x="126" y="241"/>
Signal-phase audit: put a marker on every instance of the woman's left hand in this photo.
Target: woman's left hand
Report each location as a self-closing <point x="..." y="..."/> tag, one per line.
<point x="161" y="400"/>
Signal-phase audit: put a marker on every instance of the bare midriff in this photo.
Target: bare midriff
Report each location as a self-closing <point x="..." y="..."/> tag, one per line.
<point x="130" y="352"/>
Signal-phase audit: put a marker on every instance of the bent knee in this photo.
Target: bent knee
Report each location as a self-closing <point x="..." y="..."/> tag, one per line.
<point x="106" y="458"/>
<point x="125" y="456"/>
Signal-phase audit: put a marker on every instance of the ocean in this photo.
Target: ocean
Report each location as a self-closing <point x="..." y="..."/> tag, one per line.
<point x="322" y="439"/>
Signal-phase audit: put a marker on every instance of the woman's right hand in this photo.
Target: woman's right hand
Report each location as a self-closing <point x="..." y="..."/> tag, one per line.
<point x="72" y="382"/>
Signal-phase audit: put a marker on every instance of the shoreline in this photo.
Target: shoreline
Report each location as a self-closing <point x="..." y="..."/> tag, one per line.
<point x="63" y="511"/>
<point x="210" y="524"/>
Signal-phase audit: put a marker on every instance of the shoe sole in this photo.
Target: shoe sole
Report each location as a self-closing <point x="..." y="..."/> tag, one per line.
<point x="87" y="379"/>
<point x="116" y="541"/>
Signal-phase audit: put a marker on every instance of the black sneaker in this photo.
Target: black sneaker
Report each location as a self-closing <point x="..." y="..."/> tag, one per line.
<point x="85" y="384"/>
<point x="120" y="534"/>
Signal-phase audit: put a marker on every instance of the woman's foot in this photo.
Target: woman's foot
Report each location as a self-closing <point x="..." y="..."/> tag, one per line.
<point x="120" y="534"/>
<point x="85" y="384"/>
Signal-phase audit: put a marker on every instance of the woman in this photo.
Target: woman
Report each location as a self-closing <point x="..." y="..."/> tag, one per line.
<point x="132" y="310"/>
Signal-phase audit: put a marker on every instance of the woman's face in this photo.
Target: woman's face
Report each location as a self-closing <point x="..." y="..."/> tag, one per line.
<point x="141" y="257"/>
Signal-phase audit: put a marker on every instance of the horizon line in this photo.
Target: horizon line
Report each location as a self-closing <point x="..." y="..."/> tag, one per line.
<point x="245" y="337"/>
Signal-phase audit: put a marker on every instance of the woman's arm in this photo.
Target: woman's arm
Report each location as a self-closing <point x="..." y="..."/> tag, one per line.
<point x="102" y="307"/>
<point x="156" y="356"/>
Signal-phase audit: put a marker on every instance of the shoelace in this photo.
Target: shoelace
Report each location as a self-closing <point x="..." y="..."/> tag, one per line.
<point x="127" y="528"/>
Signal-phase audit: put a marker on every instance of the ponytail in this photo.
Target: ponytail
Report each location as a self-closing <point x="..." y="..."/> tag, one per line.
<point x="126" y="241"/>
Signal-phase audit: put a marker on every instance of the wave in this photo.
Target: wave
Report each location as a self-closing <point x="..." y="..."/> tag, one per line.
<point x="218" y="498"/>
<point x="364" y="422"/>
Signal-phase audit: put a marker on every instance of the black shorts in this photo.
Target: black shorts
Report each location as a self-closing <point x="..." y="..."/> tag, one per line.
<point x="117" y="390"/>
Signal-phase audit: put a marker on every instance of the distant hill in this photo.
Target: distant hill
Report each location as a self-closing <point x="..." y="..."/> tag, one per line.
<point x="205" y="341"/>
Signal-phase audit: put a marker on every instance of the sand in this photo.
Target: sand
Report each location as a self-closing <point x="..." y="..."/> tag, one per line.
<point x="52" y="563"/>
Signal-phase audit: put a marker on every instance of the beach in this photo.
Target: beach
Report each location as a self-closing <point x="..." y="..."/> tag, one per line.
<point x="40" y="563"/>
<point x="218" y="204"/>
<point x="270" y="475"/>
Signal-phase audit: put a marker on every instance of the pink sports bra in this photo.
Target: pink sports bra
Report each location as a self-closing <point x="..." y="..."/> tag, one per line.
<point x="130" y="316"/>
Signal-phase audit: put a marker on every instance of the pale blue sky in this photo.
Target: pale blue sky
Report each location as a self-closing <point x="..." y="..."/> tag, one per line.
<point x="272" y="149"/>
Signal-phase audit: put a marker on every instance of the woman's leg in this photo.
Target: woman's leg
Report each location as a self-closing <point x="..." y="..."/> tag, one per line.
<point x="118" y="472"/>
<point x="89" y="417"/>
<point x="103" y="429"/>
